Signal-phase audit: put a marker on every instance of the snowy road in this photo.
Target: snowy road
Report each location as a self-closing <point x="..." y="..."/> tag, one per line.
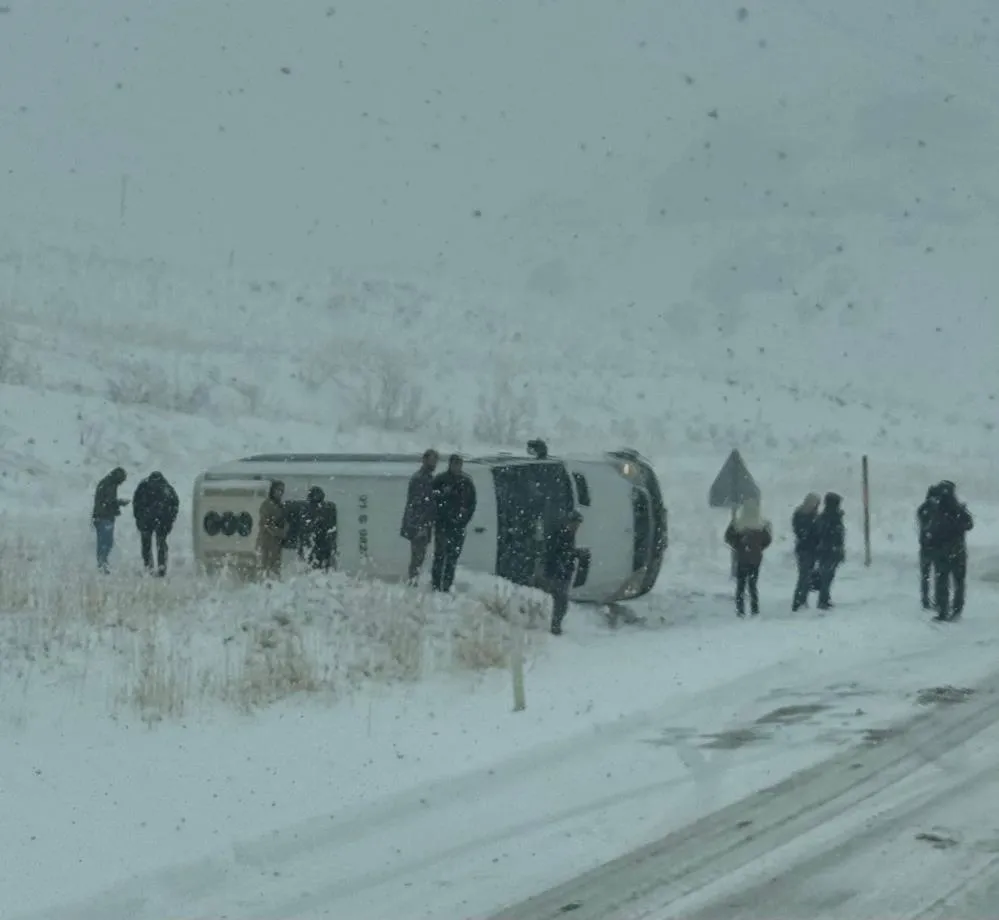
<point x="904" y="829"/>
<point x="463" y="846"/>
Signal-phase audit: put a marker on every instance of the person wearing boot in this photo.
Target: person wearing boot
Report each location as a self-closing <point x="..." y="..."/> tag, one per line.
<point x="748" y="535"/>
<point x="830" y="546"/>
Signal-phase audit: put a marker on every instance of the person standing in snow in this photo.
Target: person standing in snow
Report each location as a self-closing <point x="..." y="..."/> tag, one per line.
<point x="804" y="525"/>
<point x="454" y="505"/>
<point x="948" y="527"/>
<point x="924" y="517"/>
<point x="318" y="531"/>
<point x="272" y="530"/>
<point x="155" y="505"/>
<point x="418" y="515"/>
<point x="830" y="546"/>
<point x="748" y="535"/>
<point x="107" y="508"/>
<point x="560" y="556"/>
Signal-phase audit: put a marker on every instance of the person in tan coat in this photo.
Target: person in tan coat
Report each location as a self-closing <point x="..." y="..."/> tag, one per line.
<point x="272" y="530"/>
<point x="748" y="535"/>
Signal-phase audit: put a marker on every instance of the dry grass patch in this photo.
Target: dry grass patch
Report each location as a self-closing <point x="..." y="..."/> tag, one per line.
<point x="171" y="647"/>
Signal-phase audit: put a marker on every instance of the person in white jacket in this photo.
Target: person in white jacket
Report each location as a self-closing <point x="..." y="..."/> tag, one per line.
<point x="748" y="535"/>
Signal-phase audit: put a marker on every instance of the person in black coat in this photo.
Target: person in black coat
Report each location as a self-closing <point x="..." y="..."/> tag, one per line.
<point x="155" y="505"/>
<point x="560" y="566"/>
<point x="830" y="549"/>
<point x="454" y="504"/>
<point x="318" y="533"/>
<point x="107" y="508"/>
<point x="924" y="516"/>
<point x="804" y="525"/>
<point x="418" y="515"/>
<point x="947" y="545"/>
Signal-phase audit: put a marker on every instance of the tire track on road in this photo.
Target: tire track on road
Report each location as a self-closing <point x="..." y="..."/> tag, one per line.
<point x="726" y="841"/>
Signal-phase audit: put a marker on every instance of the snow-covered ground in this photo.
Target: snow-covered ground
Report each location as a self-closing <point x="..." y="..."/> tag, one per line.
<point x="384" y="225"/>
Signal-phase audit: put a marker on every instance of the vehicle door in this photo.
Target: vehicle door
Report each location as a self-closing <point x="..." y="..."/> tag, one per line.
<point x="225" y="520"/>
<point x="479" y="553"/>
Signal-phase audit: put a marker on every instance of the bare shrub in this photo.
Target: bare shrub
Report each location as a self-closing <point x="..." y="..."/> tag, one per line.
<point x="92" y="439"/>
<point x="484" y="642"/>
<point x="316" y="370"/>
<point x="275" y="664"/>
<point x="251" y="393"/>
<point x="388" y="399"/>
<point x="159" y="685"/>
<point x="506" y="412"/>
<point x="15" y="368"/>
<point x="140" y="383"/>
<point x="379" y="384"/>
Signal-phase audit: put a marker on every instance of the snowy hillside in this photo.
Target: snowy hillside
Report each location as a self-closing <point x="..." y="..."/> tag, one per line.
<point x="682" y="227"/>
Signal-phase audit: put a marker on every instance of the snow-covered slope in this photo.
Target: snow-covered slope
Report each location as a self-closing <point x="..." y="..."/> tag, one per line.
<point x="629" y="203"/>
<point x="686" y="227"/>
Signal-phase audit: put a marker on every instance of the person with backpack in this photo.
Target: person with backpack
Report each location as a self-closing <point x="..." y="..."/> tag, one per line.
<point x="155" y="505"/>
<point x="317" y="542"/>
<point x="748" y="535"/>
<point x="949" y="524"/>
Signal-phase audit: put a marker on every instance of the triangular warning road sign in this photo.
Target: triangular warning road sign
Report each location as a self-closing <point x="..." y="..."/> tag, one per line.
<point x="734" y="484"/>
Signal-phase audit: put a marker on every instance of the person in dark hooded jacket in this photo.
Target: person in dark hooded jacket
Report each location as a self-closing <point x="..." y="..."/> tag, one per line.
<point x="155" y="505"/>
<point x="318" y="534"/>
<point x="948" y="550"/>
<point x="924" y="517"/>
<point x="830" y="547"/>
<point x="107" y="508"/>
<point x="454" y="505"/>
<point x="560" y="556"/>
<point x="418" y="515"/>
<point x="804" y="525"/>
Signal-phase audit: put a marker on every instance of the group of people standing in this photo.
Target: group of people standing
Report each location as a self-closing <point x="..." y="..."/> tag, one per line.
<point x="942" y="523"/>
<point x="819" y="548"/>
<point x="310" y="528"/>
<point x="155" y="505"/>
<point x="439" y="507"/>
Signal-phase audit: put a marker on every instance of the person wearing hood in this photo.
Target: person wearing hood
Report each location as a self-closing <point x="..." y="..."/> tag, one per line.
<point x="272" y="531"/>
<point x="155" y="505"/>
<point x="948" y="528"/>
<point x="749" y="535"/>
<point x="830" y="548"/>
<point x="924" y="518"/>
<point x="107" y="508"/>
<point x="559" y="560"/>
<point x="454" y="505"/>
<point x="804" y="525"/>
<point x="318" y="531"/>
<point x="418" y="515"/>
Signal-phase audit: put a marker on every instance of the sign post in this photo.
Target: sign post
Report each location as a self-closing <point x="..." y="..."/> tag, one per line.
<point x="517" y="661"/>
<point x="866" y="481"/>
<point x="733" y="485"/>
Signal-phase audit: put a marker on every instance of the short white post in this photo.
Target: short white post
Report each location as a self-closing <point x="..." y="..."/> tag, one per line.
<point x="517" y="660"/>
